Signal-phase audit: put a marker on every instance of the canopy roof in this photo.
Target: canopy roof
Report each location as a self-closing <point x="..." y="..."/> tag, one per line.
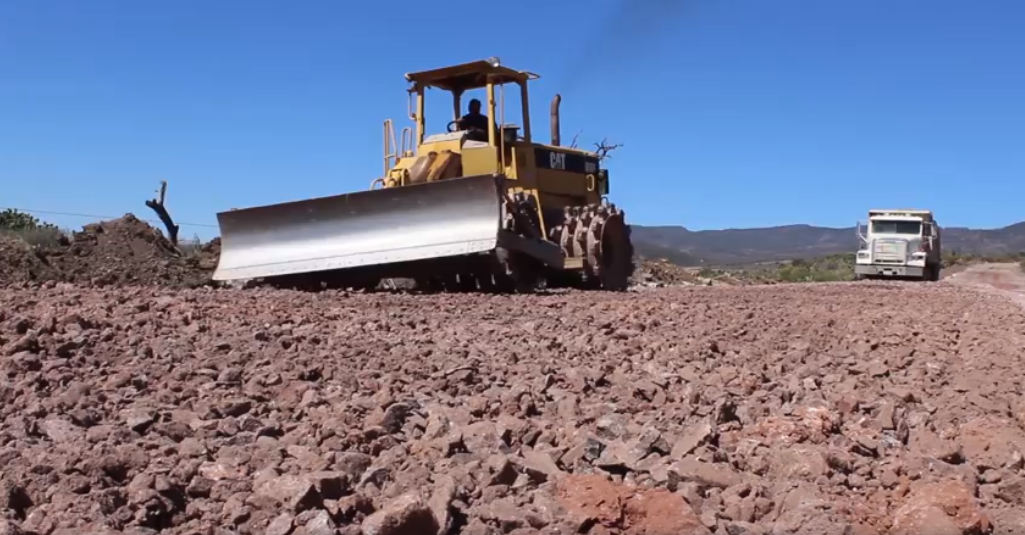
<point x="466" y="76"/>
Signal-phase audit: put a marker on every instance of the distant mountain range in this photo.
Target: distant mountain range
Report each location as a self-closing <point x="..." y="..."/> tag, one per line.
<point x="747" y="246"/>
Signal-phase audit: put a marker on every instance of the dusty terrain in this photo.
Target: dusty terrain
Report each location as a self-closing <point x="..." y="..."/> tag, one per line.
<point x="123" y="251"/>
<point x="658" y="273"/>
<point x="1001" y="279"/>
<point x="836" y="408"/>
<point x="132" y="404"/>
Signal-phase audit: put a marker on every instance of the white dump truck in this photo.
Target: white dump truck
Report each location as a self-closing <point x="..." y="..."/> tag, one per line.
<point x="899" y="244"/>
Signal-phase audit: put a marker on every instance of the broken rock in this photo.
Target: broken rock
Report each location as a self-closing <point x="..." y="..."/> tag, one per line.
<point x="939" y="507"/>
<point x="405" y="515"/>
<point x="293" y="492"/>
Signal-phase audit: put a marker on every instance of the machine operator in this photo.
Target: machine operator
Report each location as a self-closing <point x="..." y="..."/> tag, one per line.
<point x="474" y="119"/>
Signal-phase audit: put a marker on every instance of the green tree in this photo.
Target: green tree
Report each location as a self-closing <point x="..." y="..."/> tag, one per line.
<point x="29" y="228"/>
<point x="16" y="221"/>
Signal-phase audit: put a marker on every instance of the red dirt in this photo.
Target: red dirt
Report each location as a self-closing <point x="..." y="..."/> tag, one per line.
<point x="1006" y="279"/>
<point x="125" y="251"/>
<point x="795" y="409"/>
<point x="19" y="262"/>
<point x="1006" y="276"/>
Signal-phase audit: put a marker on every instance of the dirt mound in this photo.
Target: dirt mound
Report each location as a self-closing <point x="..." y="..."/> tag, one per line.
<point x="20" y="262"/>
<point x="662" y="273"/>
<point x="749" y="410"/>
<point x="124" y="251"/>
<point x="658" y="273"/>
<point x="206" y="257"/>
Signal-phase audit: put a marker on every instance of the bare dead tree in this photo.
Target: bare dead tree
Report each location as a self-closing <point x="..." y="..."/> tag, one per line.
<point x="603" y="148"/>
<point x="157" y="205"/>
<point x="573" y="143"/>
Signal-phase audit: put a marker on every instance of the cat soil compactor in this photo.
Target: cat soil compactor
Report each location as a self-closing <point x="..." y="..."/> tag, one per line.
<point x="460" y="210"/>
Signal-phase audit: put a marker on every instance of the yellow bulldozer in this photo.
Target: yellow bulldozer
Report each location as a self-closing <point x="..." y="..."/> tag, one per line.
<point x="484" y="207"/>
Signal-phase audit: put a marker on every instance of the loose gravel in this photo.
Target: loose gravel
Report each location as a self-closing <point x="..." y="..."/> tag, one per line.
<point x="861" y="408"/>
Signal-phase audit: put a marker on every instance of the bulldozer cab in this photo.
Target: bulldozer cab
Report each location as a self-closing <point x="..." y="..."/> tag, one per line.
<point x="480" y="151"/>
<point x="489" y="75"/>
<point x="554" y="176"/>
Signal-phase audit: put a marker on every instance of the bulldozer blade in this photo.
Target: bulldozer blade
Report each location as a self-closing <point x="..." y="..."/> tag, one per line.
<point x="437" y="219"/>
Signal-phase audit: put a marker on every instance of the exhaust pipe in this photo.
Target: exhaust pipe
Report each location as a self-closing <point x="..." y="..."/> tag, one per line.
<point x="555" y="120"/>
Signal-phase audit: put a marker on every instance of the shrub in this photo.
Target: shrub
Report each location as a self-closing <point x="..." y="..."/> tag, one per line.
<point x="29" y="228"/>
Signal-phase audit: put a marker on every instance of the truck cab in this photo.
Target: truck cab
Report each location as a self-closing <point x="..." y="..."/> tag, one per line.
<point x="899" y="244"/>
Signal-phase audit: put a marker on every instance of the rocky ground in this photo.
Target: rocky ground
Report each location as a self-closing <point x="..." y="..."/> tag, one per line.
<point x="862" y="408"/>
<point x="1007" y="279"/>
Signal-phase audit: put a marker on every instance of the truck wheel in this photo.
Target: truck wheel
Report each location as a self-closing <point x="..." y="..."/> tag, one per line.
<point x="931" y="274"/>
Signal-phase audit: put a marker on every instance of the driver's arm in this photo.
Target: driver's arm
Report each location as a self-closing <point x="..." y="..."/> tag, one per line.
<point x="467" y="122"/>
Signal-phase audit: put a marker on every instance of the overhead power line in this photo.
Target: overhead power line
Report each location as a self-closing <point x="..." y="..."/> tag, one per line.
<point x="99" y="217"/>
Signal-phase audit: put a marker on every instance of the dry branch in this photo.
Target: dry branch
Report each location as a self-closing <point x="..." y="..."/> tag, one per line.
<point x="573" y="143"/>
<point x="603" y="148"/>
<point x="157" y="205"/>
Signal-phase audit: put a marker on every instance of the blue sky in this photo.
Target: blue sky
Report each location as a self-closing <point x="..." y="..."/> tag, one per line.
<point x="733" y="113"/>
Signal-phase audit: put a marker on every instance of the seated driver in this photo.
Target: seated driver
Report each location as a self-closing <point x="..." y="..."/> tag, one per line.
<point x="474" y="119"/>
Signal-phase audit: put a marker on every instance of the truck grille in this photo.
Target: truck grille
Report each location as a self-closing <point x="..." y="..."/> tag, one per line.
<point x="889" y="251"/>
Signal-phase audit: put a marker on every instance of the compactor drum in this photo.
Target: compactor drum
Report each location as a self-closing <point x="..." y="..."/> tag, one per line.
<point x="468" y="209"/>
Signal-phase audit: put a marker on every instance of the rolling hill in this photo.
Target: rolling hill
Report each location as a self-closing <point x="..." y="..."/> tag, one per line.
<point x="747" y="246"/>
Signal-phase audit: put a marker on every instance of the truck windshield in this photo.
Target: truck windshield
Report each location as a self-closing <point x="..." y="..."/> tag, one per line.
<point x="897" y="227"/>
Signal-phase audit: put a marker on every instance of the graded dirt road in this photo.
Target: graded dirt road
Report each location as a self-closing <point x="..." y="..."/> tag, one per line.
<point x="835" y="408"/>
<point x="1006" y="279"/>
